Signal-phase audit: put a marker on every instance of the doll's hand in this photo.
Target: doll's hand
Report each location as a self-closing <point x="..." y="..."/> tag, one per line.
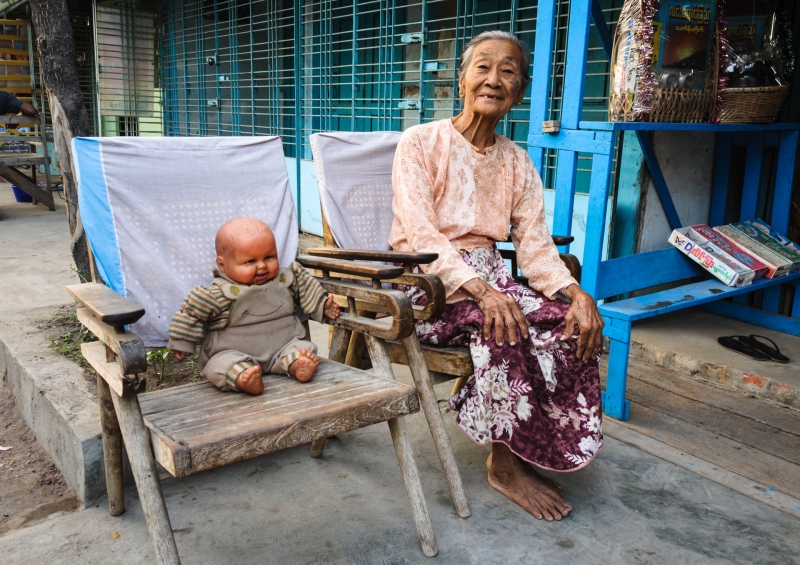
<point x="331" y="309"/>
<point x="179" y="355"/>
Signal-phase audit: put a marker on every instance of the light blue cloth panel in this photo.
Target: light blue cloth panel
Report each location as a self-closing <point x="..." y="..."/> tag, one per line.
<point x="151" y="207"/>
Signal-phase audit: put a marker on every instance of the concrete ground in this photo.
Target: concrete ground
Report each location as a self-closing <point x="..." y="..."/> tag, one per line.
<point x="631" y="506"/>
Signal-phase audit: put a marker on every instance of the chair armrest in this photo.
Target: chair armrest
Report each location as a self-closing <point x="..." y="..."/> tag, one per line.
<point x="111" y="308"/>
<point x="376" y="272"/>
<point x="563" y="239"/>
<point x="570" y="261"/>
<point x="433" y="288"/>
<point x="399" y="323"/>
<point x="402" y="257"/>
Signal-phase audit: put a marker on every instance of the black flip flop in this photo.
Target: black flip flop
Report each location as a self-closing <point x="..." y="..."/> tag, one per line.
<point x="741" y="344"/>
<point x="772" y="352"/>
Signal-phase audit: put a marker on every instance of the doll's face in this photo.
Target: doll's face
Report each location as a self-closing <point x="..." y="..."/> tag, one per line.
<point x="251" y="259"/>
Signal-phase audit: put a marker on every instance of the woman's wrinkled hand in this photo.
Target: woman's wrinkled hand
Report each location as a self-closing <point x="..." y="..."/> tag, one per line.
<point x="584" y="315"/>
<point x="499" y="310"/>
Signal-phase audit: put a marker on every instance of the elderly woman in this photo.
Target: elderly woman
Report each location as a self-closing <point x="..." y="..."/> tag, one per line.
<point x="458" y="186"/>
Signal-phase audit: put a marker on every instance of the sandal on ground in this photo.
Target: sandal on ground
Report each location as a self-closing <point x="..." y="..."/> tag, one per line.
<point x="772" y="352"/>
<point x="741" y="344"/>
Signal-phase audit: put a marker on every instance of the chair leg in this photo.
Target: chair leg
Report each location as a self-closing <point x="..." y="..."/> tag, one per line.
<point x="427" y="397"/>
<point x="339" y="344"/>
<point x="408" y="467"/>
<point x="614" y="403"/>
<point x="112" y="448"/>
<point x="458" y="385"/>
<point x="144" y="470"/>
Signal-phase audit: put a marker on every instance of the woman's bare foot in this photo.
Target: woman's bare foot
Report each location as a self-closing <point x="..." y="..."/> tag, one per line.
<point x="304" y="367"/>
<point x="249" y="381"/>
<point x="520" y="484"/>
<point x="531" y="469"/>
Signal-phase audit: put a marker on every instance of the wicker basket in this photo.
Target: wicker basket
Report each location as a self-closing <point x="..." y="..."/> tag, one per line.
<point x="758" y="104"/>
<point x="665" y="104"/>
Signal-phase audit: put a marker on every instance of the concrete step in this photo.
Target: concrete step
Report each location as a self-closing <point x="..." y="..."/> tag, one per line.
<point x="686" y="342"/>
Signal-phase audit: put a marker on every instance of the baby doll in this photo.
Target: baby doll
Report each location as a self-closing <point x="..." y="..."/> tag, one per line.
<point x="246" y="319"/>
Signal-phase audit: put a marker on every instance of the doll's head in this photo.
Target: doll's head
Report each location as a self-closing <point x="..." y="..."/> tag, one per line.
<point x="246" y="251"/>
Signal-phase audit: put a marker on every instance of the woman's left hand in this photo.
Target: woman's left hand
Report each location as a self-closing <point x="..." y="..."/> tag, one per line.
<point x="583" y="314"/>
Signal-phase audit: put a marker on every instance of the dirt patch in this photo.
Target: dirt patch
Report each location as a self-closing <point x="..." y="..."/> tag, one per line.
<point x="31" y="486"/>
<point x="163" y="371"/>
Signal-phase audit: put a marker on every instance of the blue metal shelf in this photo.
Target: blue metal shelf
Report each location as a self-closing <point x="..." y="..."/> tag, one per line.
<point x="606" y="279"/>
<point x="669" y="126"/>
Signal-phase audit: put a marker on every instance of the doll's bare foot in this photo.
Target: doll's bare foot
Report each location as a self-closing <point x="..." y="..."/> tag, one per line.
<point x="249" y="381"/>
<point x="304" y="367"/>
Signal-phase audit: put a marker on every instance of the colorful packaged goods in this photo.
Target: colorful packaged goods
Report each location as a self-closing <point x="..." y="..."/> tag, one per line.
<point x="770" y="243"/>
<point x="748" y="259"/>
<point x="711" y="258"/>
<point x="778" y="266"/>
<point x="767" y="229"/>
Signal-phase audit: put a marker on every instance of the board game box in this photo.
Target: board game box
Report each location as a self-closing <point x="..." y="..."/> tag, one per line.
<point x="711" y="258"/>
<point x="778" y="266"/>
<point x="749" y="260"/>
<point x="770" y="243"/>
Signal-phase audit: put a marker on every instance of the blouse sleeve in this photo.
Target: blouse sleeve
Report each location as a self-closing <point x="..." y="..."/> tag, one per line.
<point x="413" y="185"/>
<point x="537" y="255"/>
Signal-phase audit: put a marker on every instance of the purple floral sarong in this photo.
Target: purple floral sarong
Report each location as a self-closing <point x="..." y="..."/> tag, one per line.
<point x="536" y="397"/>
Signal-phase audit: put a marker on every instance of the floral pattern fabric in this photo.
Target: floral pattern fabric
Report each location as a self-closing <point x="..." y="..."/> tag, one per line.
<point x="536" y="397"/>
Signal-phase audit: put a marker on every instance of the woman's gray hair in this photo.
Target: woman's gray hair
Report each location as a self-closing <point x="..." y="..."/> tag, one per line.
<point x="525" y="64"/>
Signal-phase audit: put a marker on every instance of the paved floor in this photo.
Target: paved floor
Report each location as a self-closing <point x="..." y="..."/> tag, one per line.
<point x="350" y="507"/>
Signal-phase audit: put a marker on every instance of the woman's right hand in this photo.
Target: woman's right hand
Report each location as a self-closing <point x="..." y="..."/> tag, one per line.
<point x="498" y="309"/>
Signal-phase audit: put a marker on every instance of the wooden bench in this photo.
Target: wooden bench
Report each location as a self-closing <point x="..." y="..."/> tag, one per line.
<point x="661" y="267"/>
<point x="10" y="161"/>
<point x="196" y="427"/>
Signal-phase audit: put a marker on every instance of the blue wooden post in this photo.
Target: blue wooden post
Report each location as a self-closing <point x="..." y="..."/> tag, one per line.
<point x="614" y="402"/>
<point x="572" y="106"/>
<point x="542" y="68"/>
<point x="722" y="170"/>
<point x="752" y="175"/>
<point x="596" y="220"/>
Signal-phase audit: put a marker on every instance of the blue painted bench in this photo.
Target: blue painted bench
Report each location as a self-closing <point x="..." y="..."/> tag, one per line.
<point x="653" y="268"/>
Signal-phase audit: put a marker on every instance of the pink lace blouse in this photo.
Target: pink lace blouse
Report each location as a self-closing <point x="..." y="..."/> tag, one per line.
<point x="449" y="197"/>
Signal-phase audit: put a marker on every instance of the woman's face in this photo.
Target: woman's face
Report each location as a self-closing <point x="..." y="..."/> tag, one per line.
<point x="493" y="81"/>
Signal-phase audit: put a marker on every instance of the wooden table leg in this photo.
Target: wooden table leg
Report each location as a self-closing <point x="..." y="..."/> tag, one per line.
<point x="144" y="470"/>
<point x="430" y="406"/>
<point x="112" y="449"/>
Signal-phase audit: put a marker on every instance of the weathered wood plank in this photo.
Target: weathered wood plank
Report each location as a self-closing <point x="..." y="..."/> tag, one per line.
<point x="108" y="306"/>
<point x="287" y="431"/>
<point x="731" y="400"/>
<point x="185" y="422"/>
<point x="126" y="345"/>
<point x="372" y="270"/>
<point x="407" y="258"/>
<point x="95" y="354"/>
<point x="710" y="446"/>
<point x="455" y="361"/>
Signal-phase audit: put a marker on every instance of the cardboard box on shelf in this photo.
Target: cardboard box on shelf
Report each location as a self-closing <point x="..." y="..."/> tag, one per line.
<point x="711" y="258"/>
<point x="767" y="229"/>
<point x="778" y="266"/>
<point x="744" y="257"/>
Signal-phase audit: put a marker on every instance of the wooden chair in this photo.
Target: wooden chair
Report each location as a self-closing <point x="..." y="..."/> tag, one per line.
<point x="196" y="427"/>
<point x="354" y="174"/>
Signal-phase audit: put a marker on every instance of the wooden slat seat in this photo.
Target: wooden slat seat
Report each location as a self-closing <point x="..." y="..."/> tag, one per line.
<point x="196" y="427"/>
<point x="452" y="361"/>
